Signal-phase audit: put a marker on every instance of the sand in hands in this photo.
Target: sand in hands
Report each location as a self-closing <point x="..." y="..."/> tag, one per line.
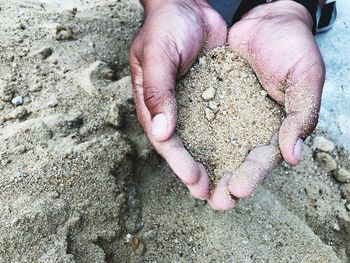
<point x="223" y="111"/>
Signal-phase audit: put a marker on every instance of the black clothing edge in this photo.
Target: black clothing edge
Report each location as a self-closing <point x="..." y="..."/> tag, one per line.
<point x="247" y="5"/>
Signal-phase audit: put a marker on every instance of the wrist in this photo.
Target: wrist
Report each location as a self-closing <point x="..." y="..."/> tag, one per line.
<point x="285" y="10"/>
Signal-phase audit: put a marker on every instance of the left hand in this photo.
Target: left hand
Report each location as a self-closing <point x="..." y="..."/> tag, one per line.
<point x="276" y="39"/>
<point x="170" y="39"/>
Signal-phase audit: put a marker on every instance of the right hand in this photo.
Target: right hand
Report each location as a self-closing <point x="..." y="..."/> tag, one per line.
<point x="276" y="40"/>
<point x="170" y="39"/>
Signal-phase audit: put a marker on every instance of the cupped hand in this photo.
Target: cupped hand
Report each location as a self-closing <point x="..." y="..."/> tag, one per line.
<point x="170" y="39"/>
<point x="276" y="39"/>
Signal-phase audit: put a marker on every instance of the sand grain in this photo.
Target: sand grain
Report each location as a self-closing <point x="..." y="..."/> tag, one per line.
<point x="223" y="111"/>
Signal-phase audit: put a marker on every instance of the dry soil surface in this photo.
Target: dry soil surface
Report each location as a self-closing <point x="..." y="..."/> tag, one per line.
<point x="80" y="183"/>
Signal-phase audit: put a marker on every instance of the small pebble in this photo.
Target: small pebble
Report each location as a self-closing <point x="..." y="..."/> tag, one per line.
<point x="36" y="88"/>
<point x="44" y="52"/>
<point x="209" y="94"/>
<point x="17" y="101"/>
<point x="128" y="237"/>
<point x="345" y="191"/>
<point x="6" y="91"/>
<point x="15" y="221"/>
<point x="21" y="148"/>
<point x="213" y="106"/>
<point x="263" y="93"/>
<point x="133" y="241"/>
<point x="52" y="103"/>
<point x="336" y="227"/>
<point x="21" y="25"/>
<point x="53" y="194"/>
<point x="347" y="206"/>
<point x="63" y="33"/>
<point x="323" y="144"/>
<point x="19" y="113"/>
<point x="74" y="11"/>
<point x="326" y="161"/>
<point x="342" y="175"/>
<point x="209" y="114"/>
<point x="115" y="116"/>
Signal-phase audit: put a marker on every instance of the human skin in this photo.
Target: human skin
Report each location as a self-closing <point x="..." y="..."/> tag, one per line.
<point x="275" y="39"/>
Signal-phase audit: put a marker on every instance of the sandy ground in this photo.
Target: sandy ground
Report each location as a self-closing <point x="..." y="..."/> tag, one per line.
<point x="80" y="183"/>
<point x="335" y="49"/>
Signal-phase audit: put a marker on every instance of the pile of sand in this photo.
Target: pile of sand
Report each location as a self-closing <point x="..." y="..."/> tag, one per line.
<point x="223" y="111"/>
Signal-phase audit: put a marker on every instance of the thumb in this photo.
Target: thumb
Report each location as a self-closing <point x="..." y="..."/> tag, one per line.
<point x="216" y="28"/>
<point x="159" y="70"/>
<point x="302" y="104"/>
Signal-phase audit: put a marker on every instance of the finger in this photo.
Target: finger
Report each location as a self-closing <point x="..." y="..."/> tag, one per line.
<point x="256" y="167"/>
<point x="221" y="198"/>
<point x="302" y="105"/>
<point x="159" y="69"/>
<point x="238" y="39"/>
<point x="180" y="161"/>
<point x="191" y="173"/>
<point x="216" y="28"/>
<point x="200" y="189"/>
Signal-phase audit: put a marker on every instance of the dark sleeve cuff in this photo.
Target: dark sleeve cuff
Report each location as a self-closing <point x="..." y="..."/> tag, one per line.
<point x="247" y="5"/>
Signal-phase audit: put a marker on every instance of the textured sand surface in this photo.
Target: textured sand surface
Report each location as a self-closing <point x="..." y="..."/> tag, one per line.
<point x="224" y="112"/>
<point x="80" y="183"/>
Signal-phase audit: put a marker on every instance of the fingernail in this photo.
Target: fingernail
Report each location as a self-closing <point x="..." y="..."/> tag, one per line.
<point x="159" y="125"/>
<point x="298" y="148"/>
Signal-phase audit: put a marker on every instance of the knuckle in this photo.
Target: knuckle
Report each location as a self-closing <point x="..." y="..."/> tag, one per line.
<point x="156" y="98"/>
<point x="193" y="176"/>
<point x="136" y="82"/>
<point x="191" y="179"/>
<point x="153" y="97"/>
